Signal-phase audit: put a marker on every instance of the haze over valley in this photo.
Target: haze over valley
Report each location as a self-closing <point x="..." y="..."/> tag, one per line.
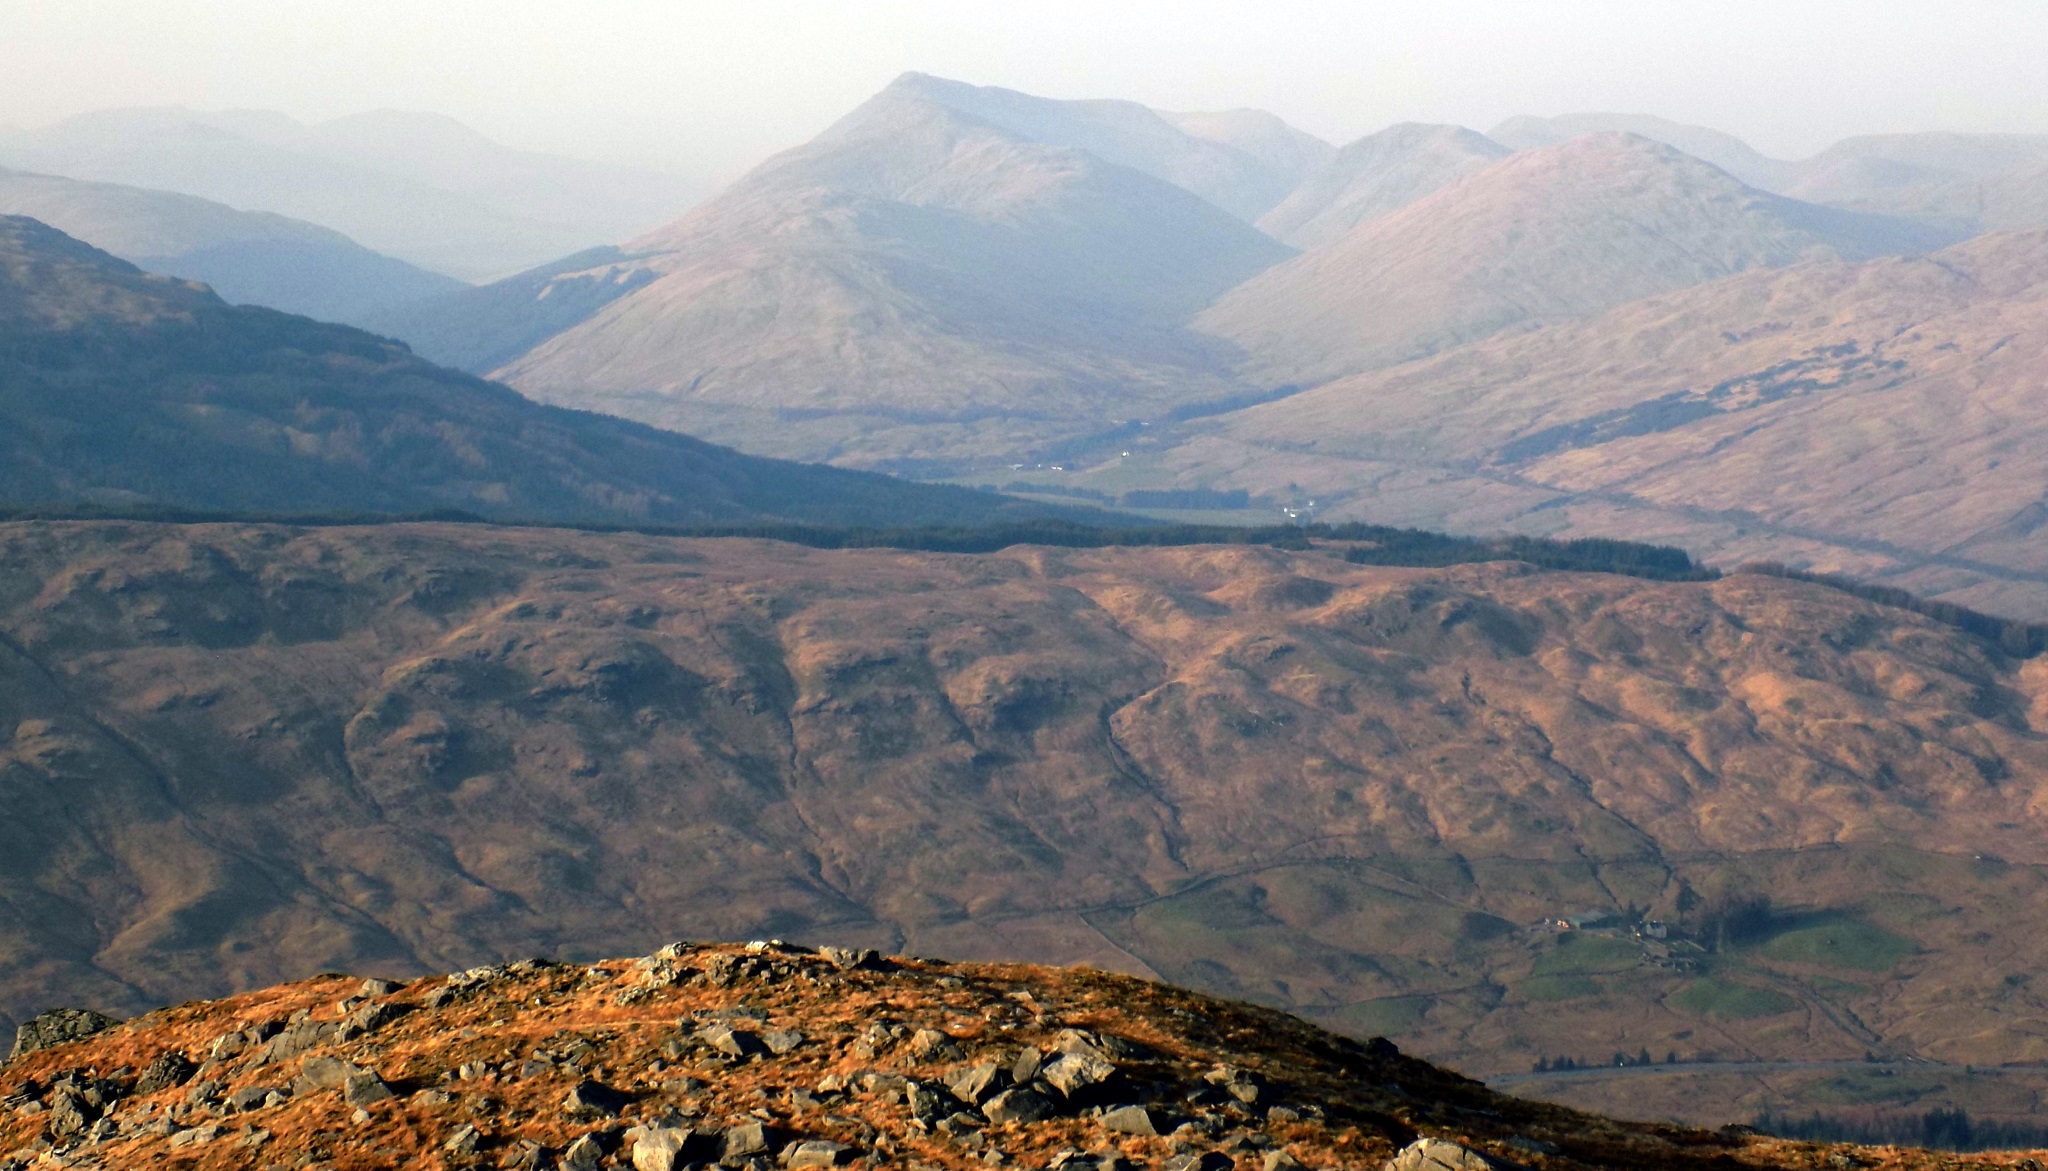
<point x="1487" y="588"/>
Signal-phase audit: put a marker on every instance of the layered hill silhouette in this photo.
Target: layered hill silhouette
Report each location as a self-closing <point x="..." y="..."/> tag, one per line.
<point x="1288" y="155"/>
<point x="1544" y="235"/>
<point x="238" y="754"/>
<point x="420" y="187"/>
<point x="1377" y="174"/>
<point x="1878" y="418"/>
<point x="1961" y="183"/>
<point x="122" y="389"/>
<point x="1725" y="151"/>
<point x="745" y="1054"/>
<point x="249" y="258"/>
<point x="956" y="278"/>
<point x="943" y="271"/>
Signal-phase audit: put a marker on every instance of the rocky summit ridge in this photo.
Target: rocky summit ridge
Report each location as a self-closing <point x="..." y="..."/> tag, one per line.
<point x="754" y="1056"/>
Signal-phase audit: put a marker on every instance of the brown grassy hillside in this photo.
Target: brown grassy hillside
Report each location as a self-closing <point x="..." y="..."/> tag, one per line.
<point x="1880" y="419"/>
<point x="234" y="755"/>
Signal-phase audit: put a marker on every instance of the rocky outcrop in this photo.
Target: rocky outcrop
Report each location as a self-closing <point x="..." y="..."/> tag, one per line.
<point x="499" y="1067"/>
<point x="56" y="1027"/>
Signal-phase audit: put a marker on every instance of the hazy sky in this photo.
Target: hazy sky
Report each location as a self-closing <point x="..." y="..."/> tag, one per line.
<point x="710" y="86"/>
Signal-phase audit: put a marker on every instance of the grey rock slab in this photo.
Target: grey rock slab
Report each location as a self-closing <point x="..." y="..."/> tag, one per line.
<point x="365" y="1089"/>
<point x="1022" y="1104"/>
<point x="975" y="1084"/>
<point x="585" y="1154"/>
<point x="815" y="1153"/>
<point x="58" y="1026"/>
<point x="748" y="1138"/>
<point x="933" y="1044"/>
<point x="1281" y="1161"/>
<point x="253" y="1097"/>
<point x="730" y="1041"/>
<point x="167" y="1071"/>
<point x="198" y="1134"/>
<point x="463" y="1140"/>
<point x="1074" y="1072"/>
<point x="1130" y="1120"/>
<point x="328" y="1073"/>
<point x="926" y="1105"/>
<point x="1436" y="1154"/>
<point x="780" y="1041"/>
<point x="1202" y="1161"/>
<point x="852" y="958"/>
<point x="659" y="1148"/>
<point x="591" y="1099"/>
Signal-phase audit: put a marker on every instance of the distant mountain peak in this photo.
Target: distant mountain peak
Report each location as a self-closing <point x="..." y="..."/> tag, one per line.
<point x="119" y="385"/>
<point x="1552" y="233"/>
<point x="1375" y="175"/>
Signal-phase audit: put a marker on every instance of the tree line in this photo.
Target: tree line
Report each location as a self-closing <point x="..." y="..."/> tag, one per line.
<point x="1945" y="1128"/>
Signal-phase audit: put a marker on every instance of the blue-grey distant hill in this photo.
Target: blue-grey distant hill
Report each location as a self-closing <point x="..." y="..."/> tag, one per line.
<point x="249" y="258"/>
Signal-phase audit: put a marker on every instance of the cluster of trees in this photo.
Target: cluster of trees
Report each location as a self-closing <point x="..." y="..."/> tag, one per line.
<point x="1406" y="547"/>
<point x="1947" y="1128"/>
<point x="1386" y="546"/>
<point x="1733" y="920"/>
<point x="2022" y="640"/>
<point x="1547" y="1064"/>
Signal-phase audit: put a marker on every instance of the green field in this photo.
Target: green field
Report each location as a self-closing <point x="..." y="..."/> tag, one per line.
<point x="1721" y="999"/>
<point x="1566" y="987"/>
<point x="1579" y="954"/>
<point x="1840" y="943"/>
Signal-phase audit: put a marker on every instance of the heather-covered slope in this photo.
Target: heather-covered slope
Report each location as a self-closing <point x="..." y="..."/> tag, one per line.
<point x="772" y="1053"/>
<point x="249" y="258"/>
<point x="240" y="754"/>
<point x="917" y="280"/>
<point x="1545" y="235"/>
<point x="123" y="388"/>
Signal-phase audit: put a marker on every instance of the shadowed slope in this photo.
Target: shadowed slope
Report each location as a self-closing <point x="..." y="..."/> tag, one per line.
<point x="249" y="258"/>
<point x="417" y="186"/>
<point x="122" y="388"/>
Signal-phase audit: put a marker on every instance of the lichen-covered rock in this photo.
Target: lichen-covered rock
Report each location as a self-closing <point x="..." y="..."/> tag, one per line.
<point x="57" y="1026"/>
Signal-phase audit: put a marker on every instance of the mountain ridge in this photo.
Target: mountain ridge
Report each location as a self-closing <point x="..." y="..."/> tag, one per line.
<point x="1554" y="233"/>
<point x="249" y="257"/>
<point x="483" y="213"/>
<point x="125" y="387"/>
<point x="1889" y="399"/>
<point x="914" y="276"/>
